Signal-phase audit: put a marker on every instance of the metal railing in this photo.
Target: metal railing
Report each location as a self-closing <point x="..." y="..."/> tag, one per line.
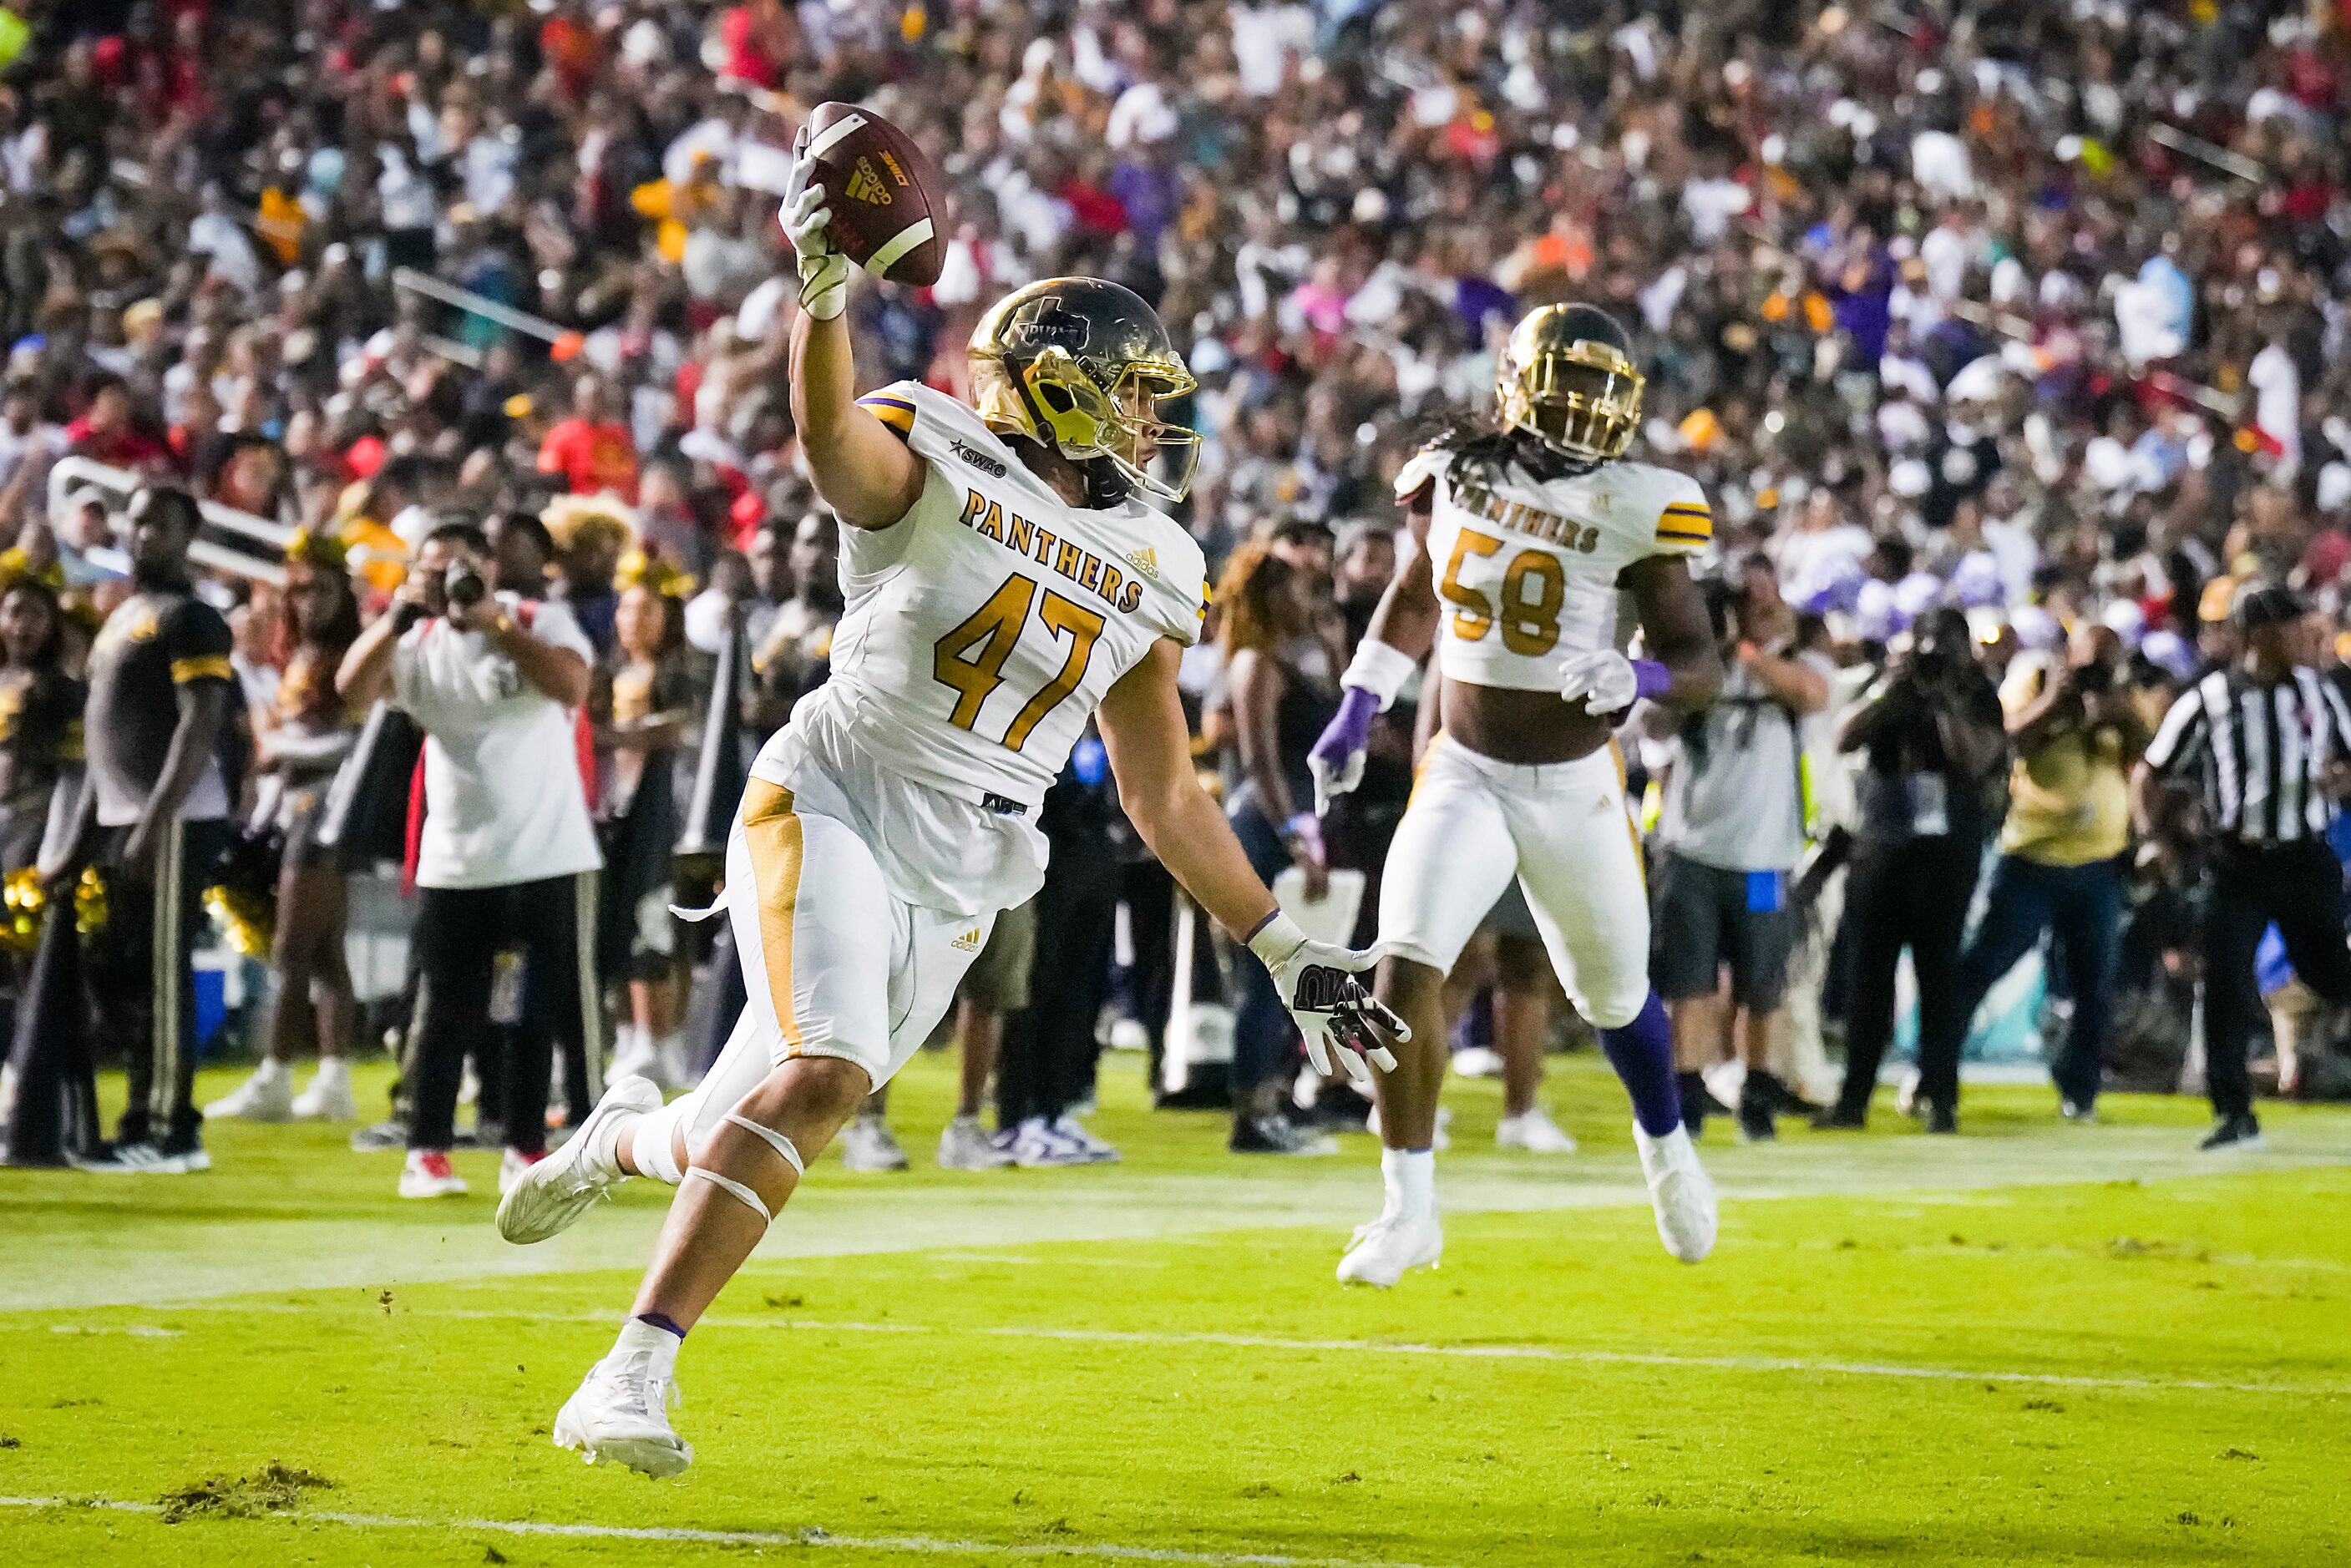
<point x="247" y="546"/>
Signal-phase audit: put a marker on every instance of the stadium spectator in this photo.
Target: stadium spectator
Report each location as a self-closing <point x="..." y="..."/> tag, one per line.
<point x="153" y="820"/>
<point x="1930" y="731"/>
<point x="507" y="856"/>
<point x="2076" y="736"/>
<point x="1731" y="834"/>
<point x="1282" y="689"/>
<point x="301" y="739"/>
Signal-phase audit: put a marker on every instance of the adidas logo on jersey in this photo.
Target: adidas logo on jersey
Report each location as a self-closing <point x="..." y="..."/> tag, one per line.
<point x="968" y="943"/>
<point x="1146" y="561"/>
<point x="865" y="185"/>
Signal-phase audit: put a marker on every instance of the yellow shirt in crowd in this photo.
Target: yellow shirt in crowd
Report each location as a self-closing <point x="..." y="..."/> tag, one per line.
<point x="2069" y="801"/>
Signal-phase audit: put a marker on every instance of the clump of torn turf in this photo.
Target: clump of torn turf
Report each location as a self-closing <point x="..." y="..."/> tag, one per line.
<point x="272" y="1489"/>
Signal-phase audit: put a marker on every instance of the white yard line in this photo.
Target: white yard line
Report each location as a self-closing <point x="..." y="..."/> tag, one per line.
<point x="924" y="1545"/>
<point x="1568" y="1355"/>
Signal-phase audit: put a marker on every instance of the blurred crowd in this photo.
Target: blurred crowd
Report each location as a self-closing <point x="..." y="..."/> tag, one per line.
<point x="2012" y="331"/>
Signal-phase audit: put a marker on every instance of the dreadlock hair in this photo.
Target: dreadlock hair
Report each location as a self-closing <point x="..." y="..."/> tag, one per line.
<point x="1482" y="451"/>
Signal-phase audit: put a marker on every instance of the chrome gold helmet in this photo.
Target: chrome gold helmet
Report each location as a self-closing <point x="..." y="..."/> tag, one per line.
<point x="1567" y="379"/>
<point x="1081" y="365"/>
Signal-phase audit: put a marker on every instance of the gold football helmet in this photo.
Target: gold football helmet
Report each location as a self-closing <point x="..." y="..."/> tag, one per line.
<point x="1567" y="379"/>
<point x="1083" y="366"/>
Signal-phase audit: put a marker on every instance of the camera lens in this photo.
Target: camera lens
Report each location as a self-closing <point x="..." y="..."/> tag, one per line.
<point x="463" y="586"/>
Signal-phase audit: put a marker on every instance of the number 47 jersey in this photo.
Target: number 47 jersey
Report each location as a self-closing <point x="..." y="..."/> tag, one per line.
<point x="1528" y="568"/>
<point x="981" y="630"/>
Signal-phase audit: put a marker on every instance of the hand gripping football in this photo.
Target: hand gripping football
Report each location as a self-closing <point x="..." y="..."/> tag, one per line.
<point x="888" y="202"/>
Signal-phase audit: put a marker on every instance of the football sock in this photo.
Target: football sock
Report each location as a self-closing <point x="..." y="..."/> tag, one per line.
<point x="1642" y="1052"/>
<point x="660" y="1320"/>
<point x="1410" y="1178"/>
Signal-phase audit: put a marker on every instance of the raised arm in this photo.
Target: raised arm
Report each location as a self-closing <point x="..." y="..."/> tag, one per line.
<point x="865" y="473"/>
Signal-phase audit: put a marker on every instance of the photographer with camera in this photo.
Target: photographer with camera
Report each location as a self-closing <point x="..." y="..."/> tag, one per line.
<point x="507" y="855"/>
<point x="2076" y="735"/>
<point x="1931" y="731"/>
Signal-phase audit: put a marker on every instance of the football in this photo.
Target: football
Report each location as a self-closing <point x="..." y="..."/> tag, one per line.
<point x="888" y="214"/>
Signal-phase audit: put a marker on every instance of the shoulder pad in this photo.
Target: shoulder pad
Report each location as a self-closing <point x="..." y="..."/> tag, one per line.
<point x="1425" y="468"/>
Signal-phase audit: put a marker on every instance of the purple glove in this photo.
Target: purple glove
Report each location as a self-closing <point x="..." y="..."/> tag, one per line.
<point x="1337" y="759"/>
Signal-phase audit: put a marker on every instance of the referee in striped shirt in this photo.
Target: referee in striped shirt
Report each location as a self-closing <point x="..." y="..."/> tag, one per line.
<point x="2261" y="747"/>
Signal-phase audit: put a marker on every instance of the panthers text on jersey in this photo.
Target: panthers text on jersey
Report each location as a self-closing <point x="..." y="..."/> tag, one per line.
<point x="1528" y="569"/>
<point x="982" y="628"/>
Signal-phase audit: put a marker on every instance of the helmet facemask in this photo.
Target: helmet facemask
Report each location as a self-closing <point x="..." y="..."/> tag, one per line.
<point x="1581" y="400"/>
<point x="1083" y="421"/>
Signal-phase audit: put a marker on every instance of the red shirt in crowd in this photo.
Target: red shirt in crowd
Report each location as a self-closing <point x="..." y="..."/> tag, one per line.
<point x="591" y="457"/>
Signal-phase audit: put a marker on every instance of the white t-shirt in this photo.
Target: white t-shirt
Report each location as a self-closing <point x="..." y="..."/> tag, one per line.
<point x="504" y="803"/>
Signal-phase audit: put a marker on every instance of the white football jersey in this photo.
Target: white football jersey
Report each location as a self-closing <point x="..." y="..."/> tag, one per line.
<point x="1528" y="569"/>
<point x="981" y="630"/>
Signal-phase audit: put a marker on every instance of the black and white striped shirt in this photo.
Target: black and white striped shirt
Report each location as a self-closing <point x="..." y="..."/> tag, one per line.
<point x="2258" y="753"/>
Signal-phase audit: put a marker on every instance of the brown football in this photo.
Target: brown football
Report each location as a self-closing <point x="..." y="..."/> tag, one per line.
<point x="889" y="206"/>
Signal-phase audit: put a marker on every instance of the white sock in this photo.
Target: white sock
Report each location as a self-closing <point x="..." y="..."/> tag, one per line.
<point x="657" y="1344"/>
<point x="628" y="1043"/>
<point x="332" y="1070"/>
<point x="271" y="1068"/>
<point x="1410" y="1178"/>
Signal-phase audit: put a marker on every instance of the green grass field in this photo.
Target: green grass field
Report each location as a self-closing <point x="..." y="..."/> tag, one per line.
<point x="2034" y="1343"/>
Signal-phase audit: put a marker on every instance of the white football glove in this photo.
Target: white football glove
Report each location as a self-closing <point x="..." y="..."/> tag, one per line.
<point x="824" y="271"/>
<point x="1318" y="985"/>
<point x="1604" y="681"/>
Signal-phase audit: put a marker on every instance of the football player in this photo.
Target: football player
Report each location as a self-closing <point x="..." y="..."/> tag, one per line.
<point x="1527" y="531"/>
<point x="1007" y="572"/>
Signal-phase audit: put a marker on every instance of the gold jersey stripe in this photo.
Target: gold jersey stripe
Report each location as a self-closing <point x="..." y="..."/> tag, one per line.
<point x="898" y="416"/>
<point x="208" y="667"/>
<point x="773" y="834"/>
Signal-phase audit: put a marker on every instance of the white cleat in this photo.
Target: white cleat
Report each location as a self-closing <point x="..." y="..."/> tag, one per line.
<point x="329" y="1097"/>
<point x="1382" y="1251"/>
<point x="1534" y="1132"/>
<point x="868" y="1143"/>
<point x="267" y="1096"/>
<point x="427" y="1175"/>
<point x="965" y="1144"/>
<point x="1680" y="1192"/>
<point x="547" y="1198"/>
<point x="621" y="1412"/>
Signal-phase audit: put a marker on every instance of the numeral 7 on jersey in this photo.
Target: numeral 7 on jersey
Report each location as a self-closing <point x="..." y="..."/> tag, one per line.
<point x="971" y="657"/>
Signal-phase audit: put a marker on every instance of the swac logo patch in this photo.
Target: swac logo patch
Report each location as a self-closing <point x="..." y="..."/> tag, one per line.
<point x="865" y="185"/>
<point x="978" y="458"/>
<point x="1146" y="561"/>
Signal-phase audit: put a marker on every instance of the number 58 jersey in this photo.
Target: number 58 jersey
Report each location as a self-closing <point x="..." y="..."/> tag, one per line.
<point x="981" y="630"/>
<point x="1526" y="568"/>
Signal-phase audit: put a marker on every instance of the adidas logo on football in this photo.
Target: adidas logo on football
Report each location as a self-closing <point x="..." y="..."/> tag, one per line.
<point x="969" y="942"/>
<point x="1145" y="561"/>
<point x="866" y="186"/>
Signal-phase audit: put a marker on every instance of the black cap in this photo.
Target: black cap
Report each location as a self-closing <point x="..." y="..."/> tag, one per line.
<point x="2258" y="604"/>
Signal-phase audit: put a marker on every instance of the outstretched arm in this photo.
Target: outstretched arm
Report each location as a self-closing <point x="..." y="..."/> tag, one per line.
<point x="865" y="473"/>
<point x="1142" y="721"/>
